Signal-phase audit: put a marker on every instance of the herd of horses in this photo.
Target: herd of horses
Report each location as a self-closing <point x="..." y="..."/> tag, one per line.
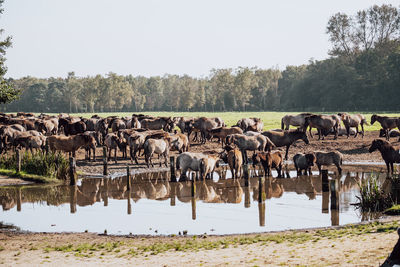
<point x="149" y="136"/>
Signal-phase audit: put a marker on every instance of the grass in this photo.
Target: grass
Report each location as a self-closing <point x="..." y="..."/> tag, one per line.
<point x="272" y="120"/>
<point x="50" y="165"/>
<point x="28" y="177"/>
<point x="394" y="210"/>
<point x="132" y="249"/>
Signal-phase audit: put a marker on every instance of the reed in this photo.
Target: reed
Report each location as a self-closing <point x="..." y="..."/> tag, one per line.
<point x="373" y="198"/>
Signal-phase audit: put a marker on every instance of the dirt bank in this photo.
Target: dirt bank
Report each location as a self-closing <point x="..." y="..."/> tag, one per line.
<point x="363" y="245"/>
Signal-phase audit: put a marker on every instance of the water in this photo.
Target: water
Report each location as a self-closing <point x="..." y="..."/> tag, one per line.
<point x="156" y="206"/>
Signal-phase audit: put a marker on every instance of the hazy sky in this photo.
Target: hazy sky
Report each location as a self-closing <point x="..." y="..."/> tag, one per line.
<point x="154" y="37"/>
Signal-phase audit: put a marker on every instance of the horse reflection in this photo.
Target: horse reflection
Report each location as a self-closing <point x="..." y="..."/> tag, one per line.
<point x="155" y="186"/>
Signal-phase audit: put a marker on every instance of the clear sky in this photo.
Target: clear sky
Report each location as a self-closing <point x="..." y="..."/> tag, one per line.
<point x="155" y="37"/>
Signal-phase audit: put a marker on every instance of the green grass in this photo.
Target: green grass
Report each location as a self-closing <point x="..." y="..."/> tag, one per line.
<point x="272" y="120"/>
<point x="394" y="210"/>
<point x="29" y="177"/>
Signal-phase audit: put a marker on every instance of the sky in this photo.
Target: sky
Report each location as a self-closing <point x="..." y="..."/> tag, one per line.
<point x="156" y="37"/>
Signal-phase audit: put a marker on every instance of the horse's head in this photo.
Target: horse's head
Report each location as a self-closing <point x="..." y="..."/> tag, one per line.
<point x="343" y="115"/>
<point x="376" y="144"/>
<point x="374" y="118"/>
<point x="303" y="136"/>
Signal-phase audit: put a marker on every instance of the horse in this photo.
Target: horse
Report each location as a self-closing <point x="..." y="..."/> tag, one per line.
<point x="252" y="143"/>
<point x="387" y="123"/>
<point x="389" y="154"/>
<point x="295" y="120"/>
<point x="71" y="128"/>
<point x="286" y="138"/>
<point x="323" y="123"/>
<point x="247" y="124"/>
<point x="162" y="123"/>
<point x="353" y="121"/>
<point x="269" y="160"/>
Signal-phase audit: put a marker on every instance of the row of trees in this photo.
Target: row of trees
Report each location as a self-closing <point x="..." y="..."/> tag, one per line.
<point x="223" y="90"/>
<point x="363" y="73"/>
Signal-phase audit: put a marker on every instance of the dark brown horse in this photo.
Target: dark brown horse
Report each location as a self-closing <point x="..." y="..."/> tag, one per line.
<point x="389" y="154"/>
<point x="286" y="138"/>
<point x="387" y="123"/>
<point x="72" y="128"/>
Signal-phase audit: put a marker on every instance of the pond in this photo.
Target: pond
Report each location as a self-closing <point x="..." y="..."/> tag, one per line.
<point x="156" y="206"/>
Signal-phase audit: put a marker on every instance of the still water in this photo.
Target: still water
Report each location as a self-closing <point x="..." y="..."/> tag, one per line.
<point x="156" y="206"/>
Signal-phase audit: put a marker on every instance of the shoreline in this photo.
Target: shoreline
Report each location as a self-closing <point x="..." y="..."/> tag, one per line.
<point x="365" y="244"/>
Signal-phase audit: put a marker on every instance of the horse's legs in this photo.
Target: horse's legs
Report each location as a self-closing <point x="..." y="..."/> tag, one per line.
<point x="339" y="169"/>
<point x="319" y="168"/>
<point x="336" y="129"/>
<point x="356" y="132"/>
<point x="245" y="159"/>
<point x="362" y="130"/>
<point x="391" y="165"/>
<point x="279" y="170"/>
<point x="348" y="131"/>
<point x="287" y="152"/>
<point x="387" y="134"/>
<point x="309" y="129"/>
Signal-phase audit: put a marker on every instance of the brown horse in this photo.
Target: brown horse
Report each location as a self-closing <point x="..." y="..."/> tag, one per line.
<point x="324" y="124"/>
<point x="353" y="121"/>
<point x="389" y="154"/>
<point x="387" y="123"/>
<point x="269" y="160"/>
<point x="286" y="138"/>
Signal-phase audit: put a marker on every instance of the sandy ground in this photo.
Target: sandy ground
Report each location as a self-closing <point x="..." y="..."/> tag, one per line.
<point x="335" y="249"/>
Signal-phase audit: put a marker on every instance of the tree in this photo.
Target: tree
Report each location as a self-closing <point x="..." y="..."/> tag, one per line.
<point x="7" y="92"/>
<point x="376" y="27"/>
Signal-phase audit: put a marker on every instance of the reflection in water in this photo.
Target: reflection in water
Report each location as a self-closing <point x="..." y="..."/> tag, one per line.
<point x="129" y="202"/>
<point x="154" y="186"/>
<point x="325" y="202"/>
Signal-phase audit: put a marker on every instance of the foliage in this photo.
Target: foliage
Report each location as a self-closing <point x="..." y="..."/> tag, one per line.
<point x="44" y="164"/>
<point x="372" y="197"/>
<point x="7" y="92"/>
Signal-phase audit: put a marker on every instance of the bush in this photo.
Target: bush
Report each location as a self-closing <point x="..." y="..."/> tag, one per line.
<point x="50" y="164"/>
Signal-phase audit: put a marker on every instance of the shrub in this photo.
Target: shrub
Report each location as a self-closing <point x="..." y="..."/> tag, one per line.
<point x="50" y="164"/>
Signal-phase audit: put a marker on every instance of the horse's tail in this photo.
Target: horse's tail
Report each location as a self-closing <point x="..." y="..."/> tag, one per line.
<point x="364" y="121"/>
<point x="282" y="124"/>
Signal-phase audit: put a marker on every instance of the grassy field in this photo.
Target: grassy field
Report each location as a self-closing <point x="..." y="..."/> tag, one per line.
<point x="272" y="120"/>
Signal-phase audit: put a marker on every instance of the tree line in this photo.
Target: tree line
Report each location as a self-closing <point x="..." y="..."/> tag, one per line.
<point x="362" y="74"/>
